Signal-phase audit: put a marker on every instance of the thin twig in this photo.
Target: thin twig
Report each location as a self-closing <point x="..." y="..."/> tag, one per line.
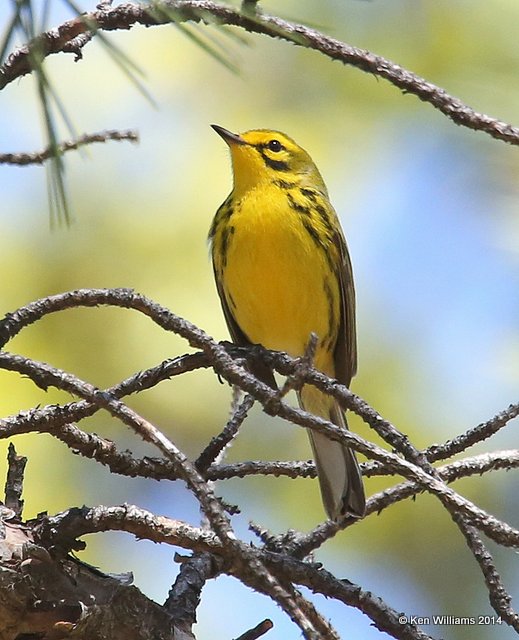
<point x="499" y="598"/>
<point x="23" y="159"/>
<point x="472" y="436"/>
<point x="323" y="628"/>
<point x="222" y="440"/>
<point x="259" y="467"/>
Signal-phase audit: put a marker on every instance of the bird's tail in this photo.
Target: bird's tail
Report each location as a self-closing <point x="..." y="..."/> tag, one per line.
<point x="338" y="471"/>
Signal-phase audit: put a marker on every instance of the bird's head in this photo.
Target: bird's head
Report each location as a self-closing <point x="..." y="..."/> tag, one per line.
<point x="262" y="156"/>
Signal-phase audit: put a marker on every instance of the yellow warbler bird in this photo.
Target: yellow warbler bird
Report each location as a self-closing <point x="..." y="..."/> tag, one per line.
<point x="283" y="271"/>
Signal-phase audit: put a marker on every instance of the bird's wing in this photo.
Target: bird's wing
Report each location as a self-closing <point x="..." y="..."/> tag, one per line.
<point x="345" y="354"/>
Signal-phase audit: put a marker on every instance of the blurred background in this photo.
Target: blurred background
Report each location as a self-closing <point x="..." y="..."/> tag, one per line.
<point x="430" y="211"/>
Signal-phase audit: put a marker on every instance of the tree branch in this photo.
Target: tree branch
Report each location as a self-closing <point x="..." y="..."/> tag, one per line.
<point x="184" y="596"/>
<point x="14" y="481"/>
<point x="126" y="15"/>
<point x="22" y="159"/>
<point x="258" y="631"/>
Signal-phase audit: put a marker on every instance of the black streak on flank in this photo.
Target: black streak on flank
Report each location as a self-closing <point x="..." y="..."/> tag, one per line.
<point x="212" y="230"/>
<point x="308" y="193"/>
<point x="222" y="216"/>
<point x="284" y="184"/>
<point x="226" y="211"/>
<point x="325" y="219"/>
<point x="322" y="214"/>
<point x="227" y="232"/>
<point x="300" y="208"/>
<point x="312" y="232"/>
<point x="331" y="313"/>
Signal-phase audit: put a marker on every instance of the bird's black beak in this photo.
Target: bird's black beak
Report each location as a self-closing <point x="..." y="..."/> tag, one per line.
<point x="228" y="136"/>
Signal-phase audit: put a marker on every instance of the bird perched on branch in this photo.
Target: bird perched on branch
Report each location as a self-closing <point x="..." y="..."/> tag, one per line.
<point x="283" y="272"/>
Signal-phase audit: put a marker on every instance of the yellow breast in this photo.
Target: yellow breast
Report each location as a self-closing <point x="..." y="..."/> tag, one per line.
<point x="277" y="278"/>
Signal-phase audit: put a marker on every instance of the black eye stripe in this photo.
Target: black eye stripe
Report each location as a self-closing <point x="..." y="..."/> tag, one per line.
<point x="277" y="165"/>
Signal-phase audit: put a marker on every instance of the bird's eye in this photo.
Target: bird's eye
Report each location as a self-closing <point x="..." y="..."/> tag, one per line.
<point x="275" y="145"/>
